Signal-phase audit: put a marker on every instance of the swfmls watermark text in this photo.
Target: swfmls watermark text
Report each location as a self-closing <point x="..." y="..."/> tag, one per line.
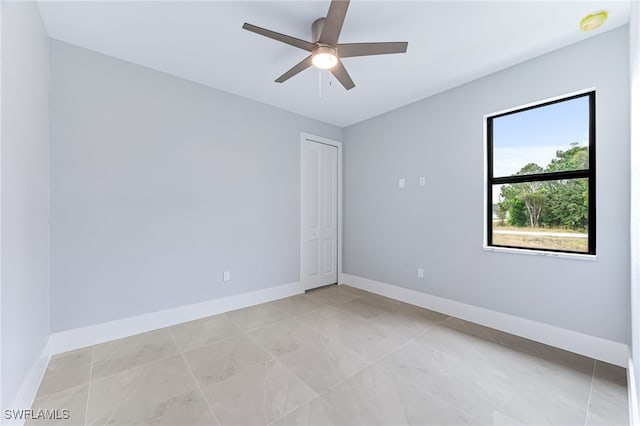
<point x="40" y="414"/>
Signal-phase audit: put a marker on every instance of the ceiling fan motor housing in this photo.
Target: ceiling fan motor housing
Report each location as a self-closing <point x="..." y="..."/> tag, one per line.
<point x="316" y="29"/>
<point x="326" y="49"/>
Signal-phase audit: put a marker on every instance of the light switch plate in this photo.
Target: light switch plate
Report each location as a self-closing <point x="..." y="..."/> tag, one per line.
<point x="422" y="180"/>
<point x="401" y="183"/>
<point x="226" y="276"/>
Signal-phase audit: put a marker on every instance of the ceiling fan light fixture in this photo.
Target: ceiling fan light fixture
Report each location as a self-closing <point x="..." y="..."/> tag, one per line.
<point x="324" y="57"/>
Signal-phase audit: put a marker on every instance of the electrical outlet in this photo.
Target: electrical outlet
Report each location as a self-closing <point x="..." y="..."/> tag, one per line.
<point x="226" y="276"/>
<point x="420" y="273"/>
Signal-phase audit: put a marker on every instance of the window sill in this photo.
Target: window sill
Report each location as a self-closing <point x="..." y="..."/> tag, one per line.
<point x="574" y="256"/>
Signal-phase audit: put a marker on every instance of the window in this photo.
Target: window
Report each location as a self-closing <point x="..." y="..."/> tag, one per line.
<point x="541" y="176"/>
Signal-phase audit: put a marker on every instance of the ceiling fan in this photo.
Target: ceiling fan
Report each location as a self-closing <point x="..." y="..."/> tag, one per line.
<point x="326" y="52"/>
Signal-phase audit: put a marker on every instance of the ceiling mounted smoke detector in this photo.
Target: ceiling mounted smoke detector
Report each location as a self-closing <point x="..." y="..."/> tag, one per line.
<point x="593" y="20"/>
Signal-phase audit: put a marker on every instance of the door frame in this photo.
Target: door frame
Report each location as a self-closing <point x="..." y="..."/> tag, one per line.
<point x="304" y="137"/>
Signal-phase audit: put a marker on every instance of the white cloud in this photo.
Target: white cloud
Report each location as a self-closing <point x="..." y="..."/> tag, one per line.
<point x="508" y="161"/>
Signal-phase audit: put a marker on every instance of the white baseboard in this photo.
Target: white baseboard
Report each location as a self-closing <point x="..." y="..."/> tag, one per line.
<point x="27" y="392"/>
<point x="634" y="415"/>
<point x="86" y="336"/>
<point x="591" y="346"/>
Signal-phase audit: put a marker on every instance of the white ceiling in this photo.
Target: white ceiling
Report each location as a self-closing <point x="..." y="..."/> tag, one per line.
<point x="450" y="43"/>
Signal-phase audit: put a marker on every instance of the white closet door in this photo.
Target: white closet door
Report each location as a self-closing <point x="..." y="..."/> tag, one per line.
<point x="320" y="214"/>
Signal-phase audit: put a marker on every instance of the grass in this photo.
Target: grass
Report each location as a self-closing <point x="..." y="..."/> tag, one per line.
<point x="497" y="227"/>
<point x="540" y="241"/>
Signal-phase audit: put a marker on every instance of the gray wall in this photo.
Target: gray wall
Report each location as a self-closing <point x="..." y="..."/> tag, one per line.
<point x="634" y="74"/>
<point x="158" y="185"/>
<point x="25" y="193"/>
<point x="390" y="232"/>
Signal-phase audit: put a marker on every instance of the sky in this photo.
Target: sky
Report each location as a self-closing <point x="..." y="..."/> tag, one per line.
<point x="535" y="135"/>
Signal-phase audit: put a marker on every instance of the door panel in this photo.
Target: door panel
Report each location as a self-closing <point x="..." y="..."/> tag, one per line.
<point x="320" y="214"/>
<point x="313" y="188"/>
<point x="329" y="264"/>
<point x="313" y="256"/>
<point x="329" y="203"/>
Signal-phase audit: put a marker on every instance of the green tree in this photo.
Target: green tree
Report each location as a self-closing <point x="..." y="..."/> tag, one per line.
<point x="532" y="194"/>
<point x="513" y="205"/>
<point x="501" y="212"/>
<point x="562" y="203"/>
<point x="568" y="200"/>
<point x="566" y="205"/>
<point x="575" y="158"/>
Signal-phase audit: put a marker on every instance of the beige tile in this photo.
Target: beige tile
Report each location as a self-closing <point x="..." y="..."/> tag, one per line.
<point x="323" y="365"/>
<point x="539" y="350"/>
<point x="337" y="356"/>
<point x="611" y="373"/>
<point x="481" y="375"/>
<point x="608" y="404"/>
<point x="415" y="312"/>
<point x="393" y="315"/>
<point x="367" y="338"/>
<point x="408" y="319"/>
<point x="440" y="376"/>
<point x="256" y="316"/>
<point x="202" y="332"/>
<point x="375" y="397"/>
<point x="368" y="308"/>
<point x="257" y="396"/>
<point x="122" y="354"/>
<point x="534" y="390"/>
<point x="316" y="412"/>
<point x="331" y="321"/>
<point x="285" y="336"/>
<point x="65" y="371"/>
<point x="298" y="305"/>
<point x="158" y="393"/>
<point x="357" y="292"/>
<point x="221" y="361"/>
<point x="64" y="408"/>
<point x="332" y="295"/>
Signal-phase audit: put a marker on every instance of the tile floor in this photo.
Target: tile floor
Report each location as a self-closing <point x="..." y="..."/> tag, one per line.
<point x="333" y="356"/>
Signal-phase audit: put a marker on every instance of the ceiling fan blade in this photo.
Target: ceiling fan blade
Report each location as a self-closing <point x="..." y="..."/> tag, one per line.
<point x="350" y="50"/>
<point x="333" y="23"/>
<point x="342" y="75"/>
<point x="296" y="42"/>
<point x="301" y="66"/>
